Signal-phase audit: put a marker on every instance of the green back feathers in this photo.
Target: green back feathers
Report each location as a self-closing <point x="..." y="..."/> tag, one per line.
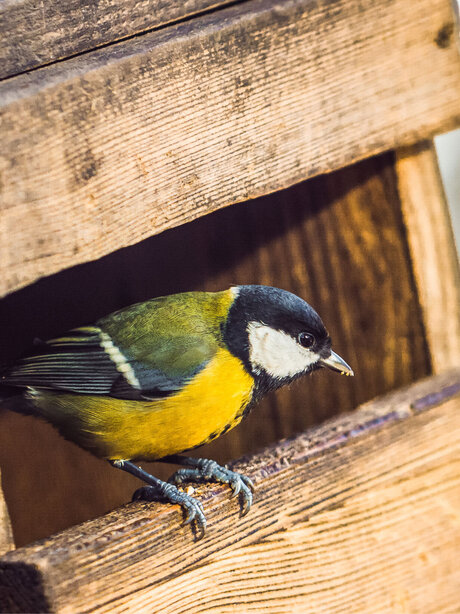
<point x="174" y="334"/>
<point x="144" y="351"/>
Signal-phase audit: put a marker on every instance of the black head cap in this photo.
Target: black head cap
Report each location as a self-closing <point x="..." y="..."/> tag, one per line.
<point x="279" y="310"/>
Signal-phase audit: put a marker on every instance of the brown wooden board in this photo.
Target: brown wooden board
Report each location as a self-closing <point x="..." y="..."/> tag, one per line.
<point x="6" y="534"/>
<point x="358" y="515"/>
<point x="432" y="250"/>
<point x="337" y="240"/>
<point x="108" y="148"/>
<point x="36" y="33"/>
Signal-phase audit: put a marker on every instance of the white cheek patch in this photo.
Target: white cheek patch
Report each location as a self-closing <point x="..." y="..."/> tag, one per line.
<point x="276" y="352"/>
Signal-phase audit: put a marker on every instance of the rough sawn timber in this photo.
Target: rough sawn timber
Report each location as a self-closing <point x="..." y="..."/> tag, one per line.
<point x="36" y="33"/>
<point x="105" y="149"/>
<point x="6" y="535"/>
<point x="432" y="249"/>
<point x="357" y="515"/>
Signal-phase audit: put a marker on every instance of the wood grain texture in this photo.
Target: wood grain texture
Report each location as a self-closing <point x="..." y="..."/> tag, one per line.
<point x="108" y="148"/>
<point x="358" y="515"/>
<point x="33" y="34"/>
<point x="432" y="248"/>
<point x="337" y="240"/>
<point x="6" y="534"/>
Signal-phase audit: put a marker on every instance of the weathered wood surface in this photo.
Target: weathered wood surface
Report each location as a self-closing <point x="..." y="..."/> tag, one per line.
<point x="110" y="147"/>
<point x="6" y="535"/>
<point x="432" y="249"/>
<point x="337" y="240"/>
<point x="33" y="33"/>
<point x="358" y="515"/>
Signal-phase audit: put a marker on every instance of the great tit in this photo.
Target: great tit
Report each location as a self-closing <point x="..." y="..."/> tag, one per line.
<point x="171" y="374"/>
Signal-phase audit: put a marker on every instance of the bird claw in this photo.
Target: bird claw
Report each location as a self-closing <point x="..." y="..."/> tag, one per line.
<point x="236" y="487"/>
<point x="247" y="503"/>
<point x="249" y="483"/>
<point x="192" y="508"/>
<point x="194" y="513"/>
<point x="211" y="471"/>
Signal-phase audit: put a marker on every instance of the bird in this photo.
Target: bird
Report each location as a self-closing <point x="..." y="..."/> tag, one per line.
<point x="168" y="375"/>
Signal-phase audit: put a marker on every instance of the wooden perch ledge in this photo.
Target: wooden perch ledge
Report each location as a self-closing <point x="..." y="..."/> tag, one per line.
<point x="360" y="514"/>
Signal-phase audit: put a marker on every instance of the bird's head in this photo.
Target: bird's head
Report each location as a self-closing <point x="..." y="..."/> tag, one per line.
<point x="278" y="336"/>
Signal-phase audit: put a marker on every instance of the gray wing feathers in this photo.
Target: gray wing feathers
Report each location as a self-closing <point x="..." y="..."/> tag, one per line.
<point x="86" y="361"/>
<point x="75" y="363"/>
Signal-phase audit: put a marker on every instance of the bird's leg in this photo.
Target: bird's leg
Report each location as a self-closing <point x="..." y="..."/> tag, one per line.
<point x="204" y="470"/>
<point x="164" y="492"/>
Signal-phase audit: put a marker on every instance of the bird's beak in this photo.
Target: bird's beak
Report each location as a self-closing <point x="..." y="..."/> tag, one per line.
<point x="336" y="363"/>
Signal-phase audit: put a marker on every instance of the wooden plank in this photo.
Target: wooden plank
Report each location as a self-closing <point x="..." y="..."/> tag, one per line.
<point x="6" y="534"/>
<point x="103" y="150"/>
<point x="432" y="249"/>
<point x="336" y="240"/>
<point x="358" y="515"/>
<point x="33" y="34"/>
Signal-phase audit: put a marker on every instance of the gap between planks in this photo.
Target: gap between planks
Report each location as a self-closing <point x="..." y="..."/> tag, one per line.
<point x="35" y="35"/>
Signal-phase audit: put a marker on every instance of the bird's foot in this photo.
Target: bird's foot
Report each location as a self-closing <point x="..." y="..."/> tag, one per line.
<point x="204" y="470"/>
<point x="168" y="493"/>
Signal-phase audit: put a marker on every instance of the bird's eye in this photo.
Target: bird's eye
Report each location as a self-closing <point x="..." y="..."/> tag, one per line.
<point x="306" y="340"/>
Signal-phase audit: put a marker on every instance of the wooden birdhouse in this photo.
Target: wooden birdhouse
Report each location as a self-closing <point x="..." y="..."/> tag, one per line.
<point x="160" y="146"/>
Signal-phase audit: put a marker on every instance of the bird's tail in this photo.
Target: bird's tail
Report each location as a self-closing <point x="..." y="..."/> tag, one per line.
<point x="15" y="401"/>
<point x="12" y="398"/>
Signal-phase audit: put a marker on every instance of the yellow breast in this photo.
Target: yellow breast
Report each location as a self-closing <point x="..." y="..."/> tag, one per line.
<point x="213" y="402"/>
